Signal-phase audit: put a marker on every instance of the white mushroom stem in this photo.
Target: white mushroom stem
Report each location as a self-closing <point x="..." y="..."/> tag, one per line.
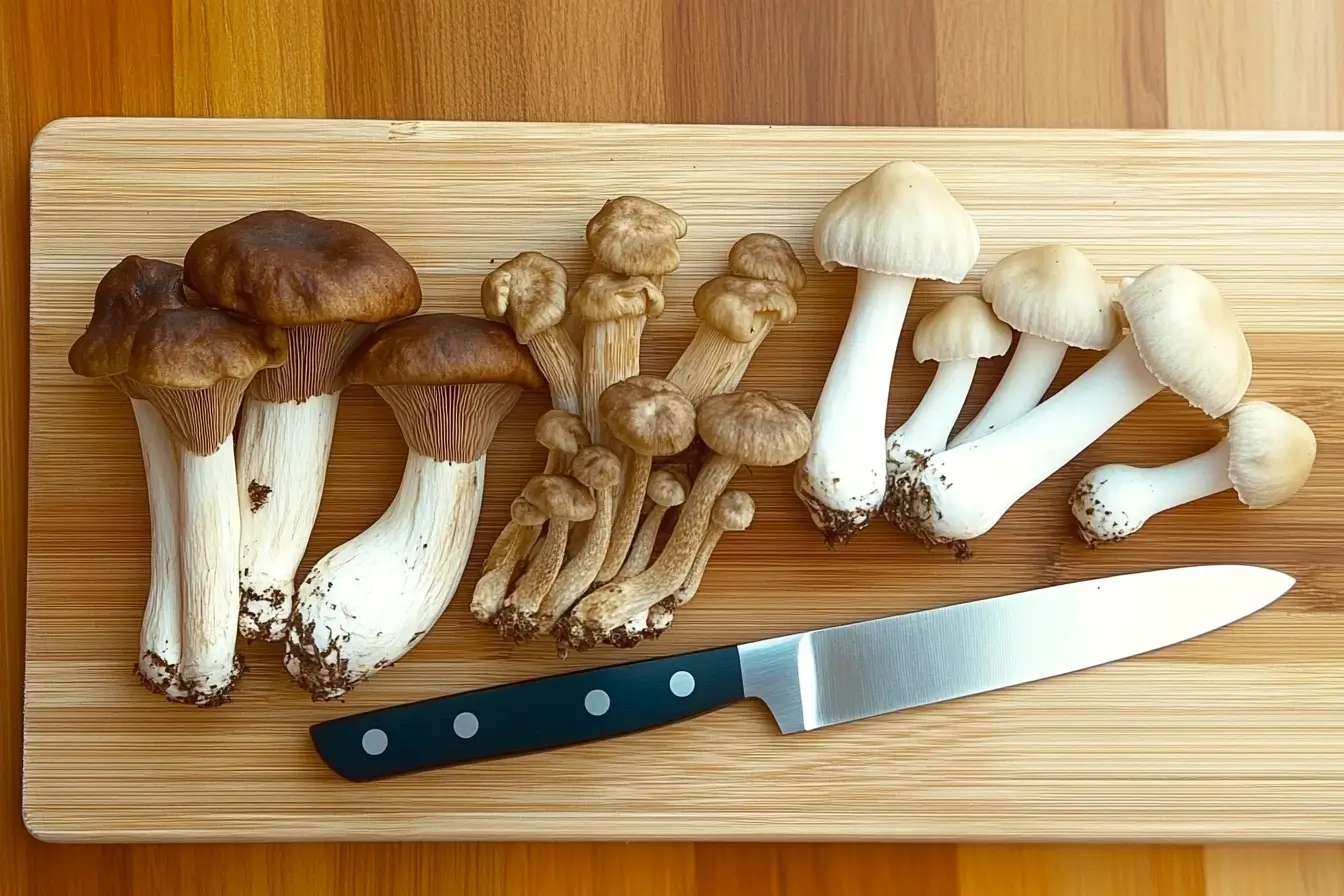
<point x="1115" y="500"/>
<point x="208" y="549"/>
<point x="558" y="357"/>
<point x="508" y="551"/>
<point x="843" y="477"/>
<point x="925" y="432"/>
<point x="1030" y="372"/>
<point x="967" y="489"/>
<point x="370" y="600"/>
<point x="161" y="626"/>
<point x="610" y="354"/>
<point x="283" y="448"/>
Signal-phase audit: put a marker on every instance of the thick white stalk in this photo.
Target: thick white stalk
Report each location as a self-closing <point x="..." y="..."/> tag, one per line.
<point x="283" y="448"/>
<point x="967" y="489"/>
<point x="208" y="551"/>
<point x="370" y="600"/>
<point x="1030" y="372"/>
<point x="161" y="626"/>
<point x="925" y="432"/>
<point x="1115" y="500"/>
<point x="844" y="475"/>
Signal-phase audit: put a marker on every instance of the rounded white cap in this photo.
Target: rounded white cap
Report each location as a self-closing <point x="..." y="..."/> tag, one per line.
<point x="1272" y="453"/>
<point x="1055" y="293"/>
<point x="961" y="329"/>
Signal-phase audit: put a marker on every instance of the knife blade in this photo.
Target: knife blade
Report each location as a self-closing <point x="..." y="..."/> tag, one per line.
<point x="815" y="678"/>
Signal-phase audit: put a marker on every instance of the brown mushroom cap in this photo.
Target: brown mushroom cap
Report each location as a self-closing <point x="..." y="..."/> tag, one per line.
<point x="289" y="269"/>
<point x="667" y="488"/>
<point x="737" y="306"/>
<point x="631" y="235"/>
<point x="606" y="296"/>
<point x="764" y="256"/>
<point x="560" y="497"/>
<point x="195" y="348"/>
<point x="649" y="414"/>
<point x="562" y="431"/>
<point x="443" y="350"/>
<point x="130" y="293"/>
<point x="528" y="291"/>
<point x="525" y="513"/>
<point x="596" y="467"/>
<point x="733" y="510"/>
<point x="754" y="428"/>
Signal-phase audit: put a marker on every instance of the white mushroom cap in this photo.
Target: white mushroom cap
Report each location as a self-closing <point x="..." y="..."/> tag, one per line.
<point x="1055" y="293"/>
<point x="961" y="329"/>
<point x="899" y="220"/>
<point x="1272" y="453"/>
<point x="1188" y="337"/>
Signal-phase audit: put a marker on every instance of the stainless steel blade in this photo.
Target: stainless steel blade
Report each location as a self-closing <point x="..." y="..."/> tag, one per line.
<point x="849" y="672"/>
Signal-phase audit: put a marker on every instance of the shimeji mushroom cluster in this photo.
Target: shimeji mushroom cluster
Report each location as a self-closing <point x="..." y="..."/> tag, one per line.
<point x="268" y="319"/>
<point x="624" y="467"/>
<point x="1169" y="328"/>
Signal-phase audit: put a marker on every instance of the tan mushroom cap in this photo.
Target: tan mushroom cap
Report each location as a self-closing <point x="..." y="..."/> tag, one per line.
<point x="754" y="428"/>
<point x="649" y="414"/>
<point x="560" y="497"/>
<point x="528" y="291"/>
<point x="738" y="306"/>
<point x="290" y="269"/>
<point x="1188" y="337"/>
<point x="1272" y="453"/>
<point x="764" y="256"/>
<point x="961" y="329"/>
<point x="596" y="467"/>
<point x="899" y="220"/>
<point x="196" y="348"/>
<point x="632" y="235"/>
<point x="443" y="350"/>
<point x="605" y="296"/>
<point x="733" y="510"/>
<point x="667" y="488"/>
<point x="559" y="430"/>
<point x="1054" y="292"/>
<point x="131" y="292"/>
<point x="525" y="513"/>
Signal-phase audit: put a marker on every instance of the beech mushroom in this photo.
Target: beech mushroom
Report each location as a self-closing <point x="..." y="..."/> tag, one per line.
<point x="129" y="294"/>
<point x="733" y="512"/>
<point x="652" y="418"/>
<point x="1055" y="298"/>
<point x="956" y="334"/>
<point x="528" y="291"/>
<point x="667" y="489"/>
<point x="737" y="311"/>
<point x="562" y="500"/>
<point x="327" y="284"/>
<point x="450" y="380"/>
<point x="1265" y="457"/>
<point x="613" y="308"/>
<point x="633" y="235"/>
<point x="745" y="427"/>
<point x="194" y="365"/>
<point x="896" y="225"/>
<point x="1183" y="337"/>
<point x="562" y="434"/>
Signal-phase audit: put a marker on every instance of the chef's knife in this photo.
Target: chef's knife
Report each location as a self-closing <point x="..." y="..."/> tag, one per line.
<point x="816" y="678"/>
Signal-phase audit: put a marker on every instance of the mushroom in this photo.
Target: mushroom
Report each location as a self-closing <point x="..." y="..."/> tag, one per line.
<point x="613" y="308"/>
<point x="1056" y="299"/>
<point x="1183" y="336"/>
<point x="528" y="291"/>
<point x="562" y="500"/>
<point x="733" y="512"/>
<point x="737" y="311"/>
<point x="128" y="294"/>
<point x="896" y="225"/>
<point x="633" y="235"/>
<point x="1265" y="457"/>
<point x="744" y="427"/>
<point x="667" y="489"/>
<point x="652" y="418"/>
<point x="562" y="434"/>
<point x="193" y="365"/>
<point x="327" y="284"/>
<point x="450" y="380"/>
<point x="956" y="334"/>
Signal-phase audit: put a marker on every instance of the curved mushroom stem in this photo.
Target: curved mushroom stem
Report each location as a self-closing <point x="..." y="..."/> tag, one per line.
<point x="517" y="621"/>
<point x="843" y="478"/>
<point x="1029" y="374"/>
<point x="283" y="449"/>
<point x="712" y="363"/>
<point x="924" y="433"/>
<point x="509" y="549"/>
<point x="161" y="626"/>
<point x="641" y="549"/>
<point x="558" y="357"/>
<point x="1113" y="501"/>
<point x="637" y="469"/>
<point x="577" y="574"/>
<point x="610" y="354"/>
<point x="691" y="583"/>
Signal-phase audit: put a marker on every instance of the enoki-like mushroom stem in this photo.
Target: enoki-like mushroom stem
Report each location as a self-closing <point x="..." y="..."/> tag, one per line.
<point x="641" y="549"/>
<point x="517" y="621"/>
<point x="637" y="469"/>
<point x="497" y="573"/>
<point x="577" y="574"/>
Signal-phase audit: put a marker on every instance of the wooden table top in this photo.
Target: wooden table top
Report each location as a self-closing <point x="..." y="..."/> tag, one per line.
<point x="1063" y="63"/>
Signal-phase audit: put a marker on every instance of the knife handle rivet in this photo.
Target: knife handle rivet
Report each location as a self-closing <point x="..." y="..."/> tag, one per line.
<point x="374" y="741"/>
<point x="681" y="683"/>
<point x="597" y="702"/>
<point x="466" y="725"/>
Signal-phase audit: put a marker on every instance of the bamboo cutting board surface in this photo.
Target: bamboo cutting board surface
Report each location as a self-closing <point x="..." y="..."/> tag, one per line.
<point x="1234" y="735"/>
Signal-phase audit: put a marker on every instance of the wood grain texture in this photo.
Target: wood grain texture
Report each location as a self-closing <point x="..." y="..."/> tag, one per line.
<point x="401" y="74"/>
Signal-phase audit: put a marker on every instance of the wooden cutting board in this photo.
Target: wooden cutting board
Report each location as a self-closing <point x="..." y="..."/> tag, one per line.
<point x="1239" y="734"/>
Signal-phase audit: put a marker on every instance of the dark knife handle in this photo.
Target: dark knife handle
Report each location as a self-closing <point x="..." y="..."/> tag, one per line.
<point x="529" y="715"/>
